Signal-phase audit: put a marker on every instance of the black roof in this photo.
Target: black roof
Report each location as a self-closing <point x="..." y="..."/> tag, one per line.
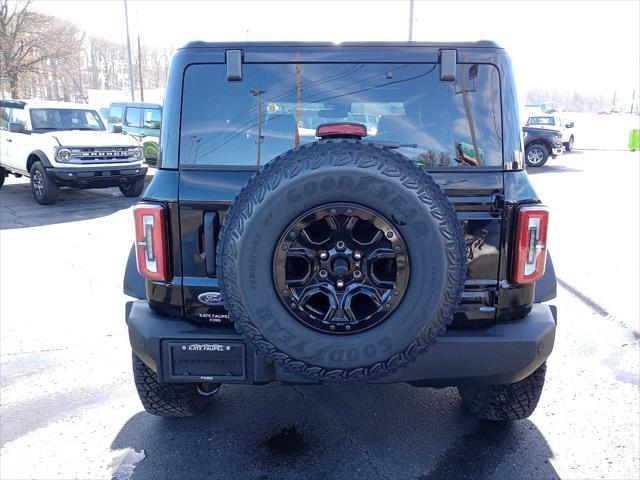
<point x="478" y="44"/>
<point x="12" y="103"/>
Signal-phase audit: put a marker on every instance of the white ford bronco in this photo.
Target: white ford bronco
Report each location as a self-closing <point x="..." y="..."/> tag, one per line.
<point x="59" y="144"/>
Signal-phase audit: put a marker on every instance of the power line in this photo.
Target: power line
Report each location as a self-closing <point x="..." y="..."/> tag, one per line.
<point x="279" y="97"/>
<point x="241" y="128"/>
<point x="321" y="100"/>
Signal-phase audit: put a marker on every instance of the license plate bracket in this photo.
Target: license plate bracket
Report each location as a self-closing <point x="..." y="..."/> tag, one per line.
<point x="208" y="361"/>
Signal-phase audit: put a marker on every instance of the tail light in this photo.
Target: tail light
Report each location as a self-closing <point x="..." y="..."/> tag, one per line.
<point x="531" y="244"/>
<point x="150" y="241"/>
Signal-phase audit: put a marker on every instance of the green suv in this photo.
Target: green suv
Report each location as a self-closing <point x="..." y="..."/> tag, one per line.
<point x="141" y="120"/>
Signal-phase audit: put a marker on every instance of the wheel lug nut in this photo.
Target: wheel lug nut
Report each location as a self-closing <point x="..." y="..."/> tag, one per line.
<point x="389" y="234"/>
<point x="292" y="305"/>
<point x="292" y="234"/>
<point x="340" y="245"/>
<point x="347" y="327"/>
<point x="349" y="213"/>
<point x="387" y="306"/>
<point x="285" y="247"/>
<point x="333" y="211"/>
<point x="396" y="293"/>
<point x="285" y="292"/>
<point x="357" y="274"/>
<point x="332" y="327"/>
<point x="322" y="273"/>
<point x="357" y="256"/>
<point x="396" y="248"/>
<point x="324" y="256"/>
<point x="339" y="284"/>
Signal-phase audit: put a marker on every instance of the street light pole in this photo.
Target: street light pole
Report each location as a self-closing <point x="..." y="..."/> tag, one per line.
<point x="140" y="69"/>
<point x="410" y="20"/>
<point x="126" y="21"/>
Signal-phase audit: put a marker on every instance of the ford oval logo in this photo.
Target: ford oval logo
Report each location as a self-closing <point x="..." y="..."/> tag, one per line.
<point x="210" y="298"/>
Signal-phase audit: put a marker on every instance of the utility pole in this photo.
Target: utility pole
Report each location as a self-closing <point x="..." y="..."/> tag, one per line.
<point x="299" y="99"/>
<point x="140" y="69"/>
<point x="410" y="20"/>
<point x="126" y="22"/>
<point x="258" y="95"/>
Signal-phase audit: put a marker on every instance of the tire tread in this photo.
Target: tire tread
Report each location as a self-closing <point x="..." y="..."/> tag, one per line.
<point x="166" y="399"/>
<point x="514" y="401"/>
<point x="340" y="153"/>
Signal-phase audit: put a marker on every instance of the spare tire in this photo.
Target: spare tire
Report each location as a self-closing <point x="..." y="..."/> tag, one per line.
<point x="341" y="260"/>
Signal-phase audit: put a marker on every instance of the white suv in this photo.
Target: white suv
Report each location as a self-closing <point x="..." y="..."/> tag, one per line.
<point x="555" y="122"/>
<point x="64" y="144"/>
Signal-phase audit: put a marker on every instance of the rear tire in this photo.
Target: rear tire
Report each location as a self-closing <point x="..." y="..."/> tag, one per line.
<point x="133" y="189"/>
<point x="3" y="174"/>
<point x="167" y="399"/>
<point x="536" y="155"/>
<point x="505" y="402"/>
<point x="43" y="189"/>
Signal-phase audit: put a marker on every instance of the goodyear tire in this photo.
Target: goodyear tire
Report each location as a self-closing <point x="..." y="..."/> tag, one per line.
<point x="505" y="402"/>
<point x="342" y="177"/>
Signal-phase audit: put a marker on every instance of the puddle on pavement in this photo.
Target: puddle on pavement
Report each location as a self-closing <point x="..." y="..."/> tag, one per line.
<point x="287" y="441"/>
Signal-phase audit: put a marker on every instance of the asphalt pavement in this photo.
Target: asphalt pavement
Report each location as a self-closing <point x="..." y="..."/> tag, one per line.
<point x="68" y="406"/>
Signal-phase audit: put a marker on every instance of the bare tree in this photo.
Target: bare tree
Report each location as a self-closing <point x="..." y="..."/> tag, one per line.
<point x="48" y="57"/>
<point x="35" y="44"/>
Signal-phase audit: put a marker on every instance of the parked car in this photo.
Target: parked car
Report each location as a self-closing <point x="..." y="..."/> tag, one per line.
<point x="141" y="120"/>
<point x="555" y="122"/>
<point x="540" y="144"/>
<point x="267" y="252"/>
<point x="104" y="114"/>
<point x="58" y="144"/>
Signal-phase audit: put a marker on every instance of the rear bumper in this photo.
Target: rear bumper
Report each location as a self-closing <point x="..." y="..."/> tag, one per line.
<point x="95" y="177"/>
<point x="498" y="354"/>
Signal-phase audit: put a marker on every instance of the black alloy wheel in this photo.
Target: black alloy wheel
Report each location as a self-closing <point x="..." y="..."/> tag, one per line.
<point x="341" y="268"/>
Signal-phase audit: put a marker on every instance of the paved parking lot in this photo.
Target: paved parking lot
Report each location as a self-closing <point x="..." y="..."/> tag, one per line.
<point x="68" y="406"/>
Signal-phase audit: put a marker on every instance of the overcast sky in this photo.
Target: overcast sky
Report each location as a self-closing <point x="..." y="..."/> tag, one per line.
<point x="590" y="46"/>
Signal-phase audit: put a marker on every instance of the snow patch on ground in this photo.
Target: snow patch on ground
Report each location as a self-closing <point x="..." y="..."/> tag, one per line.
<point x="124" y="463"/>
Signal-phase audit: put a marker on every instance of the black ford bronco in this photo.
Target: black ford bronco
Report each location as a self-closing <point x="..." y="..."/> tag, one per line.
<point x="341" y="213"/>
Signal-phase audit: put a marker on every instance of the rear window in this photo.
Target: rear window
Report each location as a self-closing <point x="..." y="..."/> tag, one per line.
<point x="279" y="106"/>
<point x="152" y="118"/>
<point x="541" y="121"/>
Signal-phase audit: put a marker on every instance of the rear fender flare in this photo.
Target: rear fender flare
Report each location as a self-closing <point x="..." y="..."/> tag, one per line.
<point x="134" y="284"/>
<point x="546" y="286"/>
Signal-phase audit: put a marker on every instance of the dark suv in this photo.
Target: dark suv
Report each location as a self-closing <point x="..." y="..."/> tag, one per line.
<point x="341" y="213"/>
